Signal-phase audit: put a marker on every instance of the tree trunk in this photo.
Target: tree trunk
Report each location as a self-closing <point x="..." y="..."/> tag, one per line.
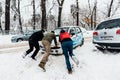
<point x="59" y="17"/>
<point x="43" y="21"/>
<point x="7" y="16"/>
<point x="33" y="14"/>
<point x="77" y="22"/>
<point x="109" y="10"/>
<point x="0" y="25"/>
<point x="95" y="14"/>
<point x="20" y="22"/>
<point x="59" y="12"/>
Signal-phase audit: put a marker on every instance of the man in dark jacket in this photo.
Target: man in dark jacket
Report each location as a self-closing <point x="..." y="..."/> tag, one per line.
<point x="33" y="42"/>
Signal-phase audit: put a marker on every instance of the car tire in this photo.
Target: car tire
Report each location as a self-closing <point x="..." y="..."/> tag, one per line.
<point x="101" y="49"/>
<point x="19" y="40"/>
<point x="82" y="42"/>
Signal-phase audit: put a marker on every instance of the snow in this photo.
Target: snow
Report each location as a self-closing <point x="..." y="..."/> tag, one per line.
<point x="94" y="65"/>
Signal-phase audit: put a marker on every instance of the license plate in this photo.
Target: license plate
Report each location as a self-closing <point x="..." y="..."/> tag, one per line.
<point x="106" y="37"/>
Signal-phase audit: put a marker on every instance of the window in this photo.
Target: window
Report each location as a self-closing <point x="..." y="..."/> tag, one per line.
<point x="72" y="31"/>
<point x="78" y="30"/>
<point x="109" y="24"/>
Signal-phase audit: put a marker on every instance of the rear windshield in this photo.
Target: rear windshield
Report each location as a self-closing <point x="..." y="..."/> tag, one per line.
<point x="109" y="24"/>
<point x="57" y="31"/>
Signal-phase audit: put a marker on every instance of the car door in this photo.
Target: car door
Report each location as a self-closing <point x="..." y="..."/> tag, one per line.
<point x="79" y="36"/>
<point x="72" y="32"/>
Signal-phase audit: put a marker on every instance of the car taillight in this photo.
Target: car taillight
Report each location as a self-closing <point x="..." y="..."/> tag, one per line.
<point x="95" y="33"/>
<point x="118" y="31"/>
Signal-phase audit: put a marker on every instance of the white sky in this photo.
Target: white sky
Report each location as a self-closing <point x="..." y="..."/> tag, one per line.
<point x="27" y="11"/>
<point x="66" y="9"/>
<point x="82" y="3"/>
<point x="94" y="65"/>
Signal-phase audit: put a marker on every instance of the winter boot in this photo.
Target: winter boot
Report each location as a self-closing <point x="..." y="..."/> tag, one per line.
<point x="42" y="65"/>
<point x="70" y="71"/>
<point x="33" y="58"/>
<point x="24" y="55"/>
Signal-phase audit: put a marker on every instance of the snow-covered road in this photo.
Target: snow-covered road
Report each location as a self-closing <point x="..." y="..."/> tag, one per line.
<point x="94" y="65"/>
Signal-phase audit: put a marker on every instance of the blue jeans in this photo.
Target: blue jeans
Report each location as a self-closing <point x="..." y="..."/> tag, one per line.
<point x="67" y="47"/>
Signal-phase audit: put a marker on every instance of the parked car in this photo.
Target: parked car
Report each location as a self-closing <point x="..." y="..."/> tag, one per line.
<point x="22" y="37"/>
<point x="107" y="35"/>
<point x="74" y="31"/>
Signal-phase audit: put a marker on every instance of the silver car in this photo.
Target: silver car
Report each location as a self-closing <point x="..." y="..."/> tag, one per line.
<point x="107" y="35"/>
<point x="22" y="37"/>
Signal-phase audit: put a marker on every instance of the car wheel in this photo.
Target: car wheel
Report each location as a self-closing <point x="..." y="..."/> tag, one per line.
<point x="101" y="49"/>
<point x="19" y="40"/>
<point x="82" y="42"/>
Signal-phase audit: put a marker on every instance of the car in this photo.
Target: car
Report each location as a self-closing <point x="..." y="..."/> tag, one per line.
<point x="22" y="37"/>
<point x="76" y="36"/>
<point x="106" y="36"/>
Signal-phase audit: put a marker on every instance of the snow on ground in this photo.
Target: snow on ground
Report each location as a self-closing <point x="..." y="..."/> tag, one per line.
<point x="94" y="65"/>
<point x="5" y="39"/>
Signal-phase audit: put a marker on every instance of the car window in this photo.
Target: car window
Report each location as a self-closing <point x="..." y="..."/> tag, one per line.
<point x="72" y="31"/>
<point x="57" y="31"/>
<point x="109" y="24"/>
<point x="78" y="30"/>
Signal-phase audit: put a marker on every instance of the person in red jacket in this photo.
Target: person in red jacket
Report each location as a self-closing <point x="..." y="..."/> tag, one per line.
<point x="67" y="47"/>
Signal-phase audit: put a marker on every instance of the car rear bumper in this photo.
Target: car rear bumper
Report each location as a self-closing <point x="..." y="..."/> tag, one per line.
<point x="13" y="40"/>
<point x="107" y="45"/>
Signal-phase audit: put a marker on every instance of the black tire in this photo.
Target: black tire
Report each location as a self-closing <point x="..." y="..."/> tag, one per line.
<point x="101" y="49"/>
<point x="19" y="40"/>
<point x="82" y="42"/>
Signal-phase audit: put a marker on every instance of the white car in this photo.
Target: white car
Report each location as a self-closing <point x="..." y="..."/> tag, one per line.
<point x="107" y="35"/>
<point x="74" y="31"/>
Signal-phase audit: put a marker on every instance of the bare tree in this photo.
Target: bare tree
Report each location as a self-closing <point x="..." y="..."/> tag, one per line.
<point x="60" y="3"/>
<point x="92" y="14"/>
<point x="1" y="12"/>
<point x="7" y="16"/>
<point x="20" y="22"/>
<point x="49" y="11"/>
<point x="34" y="14"/>
<point x="77" y="14"/>
<point x="43" y="9"/>
<point x="109" y="9"/>
<point x="95" y="13"/>
<point x="51" y="18"/>
<point x="16" y="10"/>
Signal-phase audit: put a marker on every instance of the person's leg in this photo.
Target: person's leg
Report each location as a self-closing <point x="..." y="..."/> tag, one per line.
<point x="65" y="52"/>
<point x="30" y="48"/>
<point x="70" y="49"/>
<point x="46" y="45"/>
<point x="37" y="48"/>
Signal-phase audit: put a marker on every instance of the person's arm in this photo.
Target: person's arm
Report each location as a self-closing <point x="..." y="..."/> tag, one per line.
<point x="59" y="39"/>
<point x="55" y="41"/>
